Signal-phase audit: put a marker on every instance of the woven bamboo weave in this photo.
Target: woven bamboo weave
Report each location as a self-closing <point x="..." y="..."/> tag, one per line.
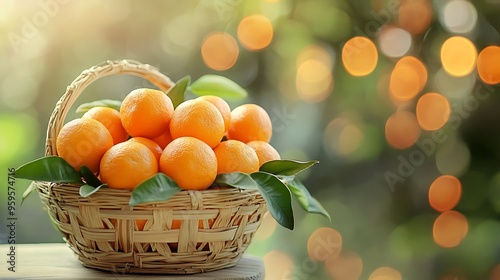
<point x="192" y="232"/>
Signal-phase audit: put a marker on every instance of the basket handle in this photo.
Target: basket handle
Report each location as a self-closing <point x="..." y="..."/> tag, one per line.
<point x="108" y="68"/>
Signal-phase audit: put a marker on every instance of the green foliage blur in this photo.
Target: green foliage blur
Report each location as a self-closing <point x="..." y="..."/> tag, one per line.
<point x="45" y="44"/>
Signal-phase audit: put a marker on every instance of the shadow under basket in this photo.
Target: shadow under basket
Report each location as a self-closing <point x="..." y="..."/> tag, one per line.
<point x="192" y="232"/>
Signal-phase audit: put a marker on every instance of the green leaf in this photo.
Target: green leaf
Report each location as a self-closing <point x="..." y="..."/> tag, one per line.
<point x="87" y="190"/>
<point x="115" y="104"/>
<point x="277" y="197"/>
<point x="176" y="93"/>
<point x="236" y="180"/>
<point x="160" y="187"/>
<point x="89" y="177"/>
<point x="219" y="86"/>
<point x="286" y="167"/>
<point x="28" y="191"/>
<point x="305" y="199"/>
<point x="49" y="169"/>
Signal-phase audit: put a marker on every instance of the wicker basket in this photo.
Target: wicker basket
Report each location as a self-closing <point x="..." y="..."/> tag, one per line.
<point x="216" y="225"/>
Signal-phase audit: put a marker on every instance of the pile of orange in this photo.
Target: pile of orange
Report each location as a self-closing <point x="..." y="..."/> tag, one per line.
<point x="191" y="144"/>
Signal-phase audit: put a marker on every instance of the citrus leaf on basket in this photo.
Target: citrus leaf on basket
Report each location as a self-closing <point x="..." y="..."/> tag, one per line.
<point x="87" y="190"/>
<point x="115" y="104"/>
<point x="219" y="86"/>
<point x="277" y="197"/>
<point x="236" y="180"/>
<point x="305" y="199"/>
<point x="28" y="191"/>
<point x="90" y="177"/>
<point x="286" y="167"/>
<point x="176" y="93"/>
<point x="48" y="169"/>
<point x="160" y="187"/>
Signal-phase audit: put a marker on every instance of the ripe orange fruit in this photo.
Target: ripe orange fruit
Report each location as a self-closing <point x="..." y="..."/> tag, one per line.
<point x="176" y="224"/>
<point x="235" y="156"/>
<point x="127" y="164"/>
<point x="146" y="112"/>
<point x="265" y="152"/>
<point x="111" y="119"/>
<point x="222" y="106"/>
<point x="250" y="122"/>
<point x="190" y="162"/>
<point x="83" y="142"/>
<point x="164" y="139"/>
<point x="199" y="119"/>
<point x="152" y="146"/>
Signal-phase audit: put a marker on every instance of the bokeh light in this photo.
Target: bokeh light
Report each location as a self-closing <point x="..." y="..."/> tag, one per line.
<point x="347" y="266"/>
<point x="458" y="56"/>
<point x="385" y="273"/>
<point x="277" y="265"/>
<point x="314" y="80"/>
<point x="408" y="78"/>
<point x="453" y="158"/>
<point x="394" y="41"/>
<point x="267" y="227"/>
<point x="449" y="229"/>
<point x="495" y="273"/>
<point x="402" y="130"/>
<point x="219" y="51"/>
<point x="487" y="65"/>
<point x="445" y="193"/>
<point x="415" y="15"/>
<point x="359" y="56"/>
<point x="458" y="16"/>
<point x="255" y="32"/>
<point x="324" y="243"/>
<point x="433" y="111"/>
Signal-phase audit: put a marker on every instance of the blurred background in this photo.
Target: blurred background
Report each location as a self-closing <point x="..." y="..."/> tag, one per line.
<point x="397" y="99"/>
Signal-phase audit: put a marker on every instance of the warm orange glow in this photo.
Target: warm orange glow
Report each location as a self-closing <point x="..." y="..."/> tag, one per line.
<point x="404" y="83"/>
<point x="433" y="111"/>
<point x="350" y="138"/>
<point x="402" y="130"/>
<point x="458" y="56"/>
<point x="385" y="273"/>
<point x="277" y="265"/>
<point x="444" y="193"/>
<point x="348" y="266"/>
<point x="317" y="53"/>
<point x="314" y="80"/>
<point x="266" y="228"/>
<point x="449" y="229"/>
<point x="324" y="243"/>
<point x="415" y="15"/>
<point x="219" y="51"/>
<point x="407" y="79"/>
<point x="495" y="273"/>
<point x="488" y="65"/>
<point x="359" y="56"/>
<point x="255" y="32"/>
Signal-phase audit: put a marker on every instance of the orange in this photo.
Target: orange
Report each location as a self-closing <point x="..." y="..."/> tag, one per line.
<point x="235" y="156"/>
<point x="146" y="112"/>
<point x="152" y="145"/>
<point x="250" y="122"/>
<point x="265" y="152"/>
<point x="111" y="119"/>
<point x="164" y="139"/>
<point x="222" y="106"/>
<point x="83" y="142"/>
<point x="176" y="224"/>
<point x="127" y="164"/>
<point x="190" y="162"/>
<point x="199" y="119"/>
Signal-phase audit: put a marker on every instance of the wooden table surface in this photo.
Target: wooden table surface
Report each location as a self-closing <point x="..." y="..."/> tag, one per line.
<point x="57" y="261"/>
